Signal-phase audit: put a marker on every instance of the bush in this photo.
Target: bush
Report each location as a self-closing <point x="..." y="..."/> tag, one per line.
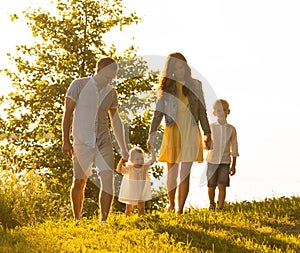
<point x="28" y="197"/>
<point x="24" y="199"/>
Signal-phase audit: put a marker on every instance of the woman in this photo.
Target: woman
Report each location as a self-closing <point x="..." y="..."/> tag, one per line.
<point x="181" y="101"/>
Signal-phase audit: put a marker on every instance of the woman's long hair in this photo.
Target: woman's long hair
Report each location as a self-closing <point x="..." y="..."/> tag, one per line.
<point x="168" y="79"/>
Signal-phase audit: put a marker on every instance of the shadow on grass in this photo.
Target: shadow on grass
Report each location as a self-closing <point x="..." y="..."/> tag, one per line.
<point x="284" y="228"/>
<point x="261" y="238"/>
<point x="205" y="236"/>
<point x="201" y="240"/>
<point x="7" y="239"/>
<point x="282" y="214"/>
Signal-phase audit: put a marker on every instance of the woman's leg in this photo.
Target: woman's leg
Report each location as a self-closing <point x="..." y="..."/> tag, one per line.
<point x="184" y="185"/>
<point x="172" y="184"/>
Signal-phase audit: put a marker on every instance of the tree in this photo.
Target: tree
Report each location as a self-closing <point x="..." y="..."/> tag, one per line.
<point x="68" y="44"/>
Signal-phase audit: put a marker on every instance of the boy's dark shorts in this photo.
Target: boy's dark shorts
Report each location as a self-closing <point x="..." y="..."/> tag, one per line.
<point x="217" y="174"/>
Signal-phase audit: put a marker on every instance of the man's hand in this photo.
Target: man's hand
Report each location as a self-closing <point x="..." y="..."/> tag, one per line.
<point x="67" y="149"/>
<point x="125" y="155"/>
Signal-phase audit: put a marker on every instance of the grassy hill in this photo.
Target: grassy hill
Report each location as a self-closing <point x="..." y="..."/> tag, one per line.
<point x="272" y="225"/>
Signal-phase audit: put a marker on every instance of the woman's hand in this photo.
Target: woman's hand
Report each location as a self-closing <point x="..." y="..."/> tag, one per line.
<point x="208" y="141"/>
<point x="150" y="141"/>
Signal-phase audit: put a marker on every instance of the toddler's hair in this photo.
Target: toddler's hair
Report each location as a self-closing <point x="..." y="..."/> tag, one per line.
<point x="135" y="150"/>
<point x="221" y="102"/>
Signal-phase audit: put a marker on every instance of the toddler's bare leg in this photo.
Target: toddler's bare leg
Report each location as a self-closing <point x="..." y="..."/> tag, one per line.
<point x="141" y="208"/>
<point x="129" y="208"/>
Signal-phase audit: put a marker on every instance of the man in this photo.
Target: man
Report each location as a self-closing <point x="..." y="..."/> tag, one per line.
<point x="91" y="100"/>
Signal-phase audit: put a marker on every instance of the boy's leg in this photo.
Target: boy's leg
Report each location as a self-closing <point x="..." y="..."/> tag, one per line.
<point x="212" y="183"/>
<point x="141" y="208"/>
<point x="221" y="196"/>
<point x="211" y="196"/>
<point x="172" y="184"/>
<point x="223" y="182"/>
<point x="129" y="208"/>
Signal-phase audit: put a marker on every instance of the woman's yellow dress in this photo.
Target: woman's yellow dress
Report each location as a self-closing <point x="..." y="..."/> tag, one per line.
<point x="182" y="140"/>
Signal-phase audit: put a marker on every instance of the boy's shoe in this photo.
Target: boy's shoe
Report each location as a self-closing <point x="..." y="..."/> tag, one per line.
<point x="212" y="206"/>
<point x="220" y="209"/>
<point x="102" y="222"/>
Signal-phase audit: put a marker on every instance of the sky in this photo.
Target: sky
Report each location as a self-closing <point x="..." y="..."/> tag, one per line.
<point x="246" y="52"/>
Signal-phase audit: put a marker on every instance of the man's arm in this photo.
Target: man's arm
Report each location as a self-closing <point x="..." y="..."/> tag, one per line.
<point x="67" y="148"/>
<point x="118" y="129"/>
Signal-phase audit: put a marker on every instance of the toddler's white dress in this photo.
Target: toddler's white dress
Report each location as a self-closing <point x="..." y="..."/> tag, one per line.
<point x="136" y="185"/>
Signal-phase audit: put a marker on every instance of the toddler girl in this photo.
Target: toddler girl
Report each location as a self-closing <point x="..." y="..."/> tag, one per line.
<point x="136" y="186"/>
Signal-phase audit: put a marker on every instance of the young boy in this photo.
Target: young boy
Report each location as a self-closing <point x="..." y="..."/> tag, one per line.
<point x="219" y="162"/>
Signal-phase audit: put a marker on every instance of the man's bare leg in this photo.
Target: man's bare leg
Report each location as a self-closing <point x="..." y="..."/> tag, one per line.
<point x="77" y="197"/>
<point x="105" y="204"/>
<point x="106" y="193"/>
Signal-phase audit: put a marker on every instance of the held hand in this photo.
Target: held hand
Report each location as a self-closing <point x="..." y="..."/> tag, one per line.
<point x="150" y="141"/>
<point x="123" y="161"/>
<point x="207" y="141"/>
<point x="67" y="149"/>
<point x="125" y="155"/>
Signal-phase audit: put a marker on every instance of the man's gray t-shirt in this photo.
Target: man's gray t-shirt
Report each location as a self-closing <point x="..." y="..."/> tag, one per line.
<point x="108" y="101"/>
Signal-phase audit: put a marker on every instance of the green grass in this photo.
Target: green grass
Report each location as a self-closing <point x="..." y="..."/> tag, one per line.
<point x="272" y="225"/>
